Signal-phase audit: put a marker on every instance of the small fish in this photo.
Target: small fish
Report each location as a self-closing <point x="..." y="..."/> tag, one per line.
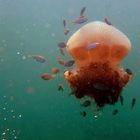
<point x="82" y="11"/>
<point x="69" y="63"/>
<point x="62" y="51"/>
<point x="60" y="87"/>
<point x="107" y="22"/>
<point x="61" y="62"/>
<point x="129" y="71"/>
<point x="72" y="91"/>
<point x="47" y="76"/>
<point x="66" y="31"/>
<point x="62" y="45"/>
<point x="39" y="58"/>
<point x="64" y="23"/>
<point x="55" y="70"/>
<point x="80" y="20"/>
<point x="86" y="103"/>
<point x="101" y="87"/>
<point x="92" y="46"/>
<point x="83" y="113"/>
<point x="115" y="112"/>
<point x="133" y="103"/>
<point x="121" y="100"/>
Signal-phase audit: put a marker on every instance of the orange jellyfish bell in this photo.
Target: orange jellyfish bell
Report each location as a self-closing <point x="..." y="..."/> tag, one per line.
<point x="112" y="45"/>
<point x="98" y="50"/>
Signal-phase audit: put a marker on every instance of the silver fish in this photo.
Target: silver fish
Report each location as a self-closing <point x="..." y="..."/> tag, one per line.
<point x="92" y="46"/>
<point x="121" y="100"/>
<point x="101" y="87"/>
<point x="107" y="21"/>
<point x="115" y="112"/>
<point x="133" y="103"/>
<point x="82" y="11"/>
<point x="66" y="31"/>
<point x="60" y="87"/>
<point x="129" y="71"/>
<point x="61" y="62"/>
<point x="39" y="58"/>
<point x="47" y="76"/>
<point x="62" y="45"/>
<point x="62" y="51"/>
<point x="64" y="23"/>
<point x="69" y="63"/>
<point x="83" y="113"/>
<point x="86" y="103"/>
<point x="80" y="20"/>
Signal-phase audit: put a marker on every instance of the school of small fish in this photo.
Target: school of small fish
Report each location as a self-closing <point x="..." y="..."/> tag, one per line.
<point x="69" y="63"/>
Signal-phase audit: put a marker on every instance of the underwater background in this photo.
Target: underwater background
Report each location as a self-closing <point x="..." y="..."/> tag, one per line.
<point x="34" y="109"/>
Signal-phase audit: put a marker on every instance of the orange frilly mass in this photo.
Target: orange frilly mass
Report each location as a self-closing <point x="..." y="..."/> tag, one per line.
<point x="98" y="73"/>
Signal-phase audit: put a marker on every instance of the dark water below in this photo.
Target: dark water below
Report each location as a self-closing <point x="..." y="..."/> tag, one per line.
<point x="33" y="109"/>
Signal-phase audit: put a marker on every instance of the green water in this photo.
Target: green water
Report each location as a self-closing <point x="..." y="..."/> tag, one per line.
<point x="33" y="109"/>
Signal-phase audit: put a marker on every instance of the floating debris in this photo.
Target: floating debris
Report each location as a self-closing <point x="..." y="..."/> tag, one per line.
<point x="86" y="103"/>
<point x="83" y="113"/>
<point x="107" y="21"/>
<point x="60" y="87"/>
<point x="39" y="58"/>
<point x="69" y="63"/>
<point x="121" y="100"/>
<point x="47" y="76"/>
<point x="115" y="112"/>
<point x="55" y="70"/>
<point x="133" y="103"/>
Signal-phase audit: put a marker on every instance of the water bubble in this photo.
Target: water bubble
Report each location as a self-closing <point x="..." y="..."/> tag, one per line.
<point x="4" y="96"/>
<point x="26" y="29"/>
<point x="5" y="119"/>
<point x="21" y="44"/>
<point x="18" y="53"/>
<point x="34" y="24"/>
<point x="95" y="116"/>
<point x="5" y="45"/>
<point x="3" y="41"/>
<point x="53" y="34"/>
<point x="3" y="133"/>
<point x="4" y="108"/>
<point x="23" y="57"/>
<point x="1" y="59"/>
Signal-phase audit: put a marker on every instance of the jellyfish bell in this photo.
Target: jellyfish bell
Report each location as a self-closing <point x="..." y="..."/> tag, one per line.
<point x="113" y="45"/>
<point x="98" y="73"/>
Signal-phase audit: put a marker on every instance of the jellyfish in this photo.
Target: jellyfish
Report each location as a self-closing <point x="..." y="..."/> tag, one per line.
<point x="98" y="72"/>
